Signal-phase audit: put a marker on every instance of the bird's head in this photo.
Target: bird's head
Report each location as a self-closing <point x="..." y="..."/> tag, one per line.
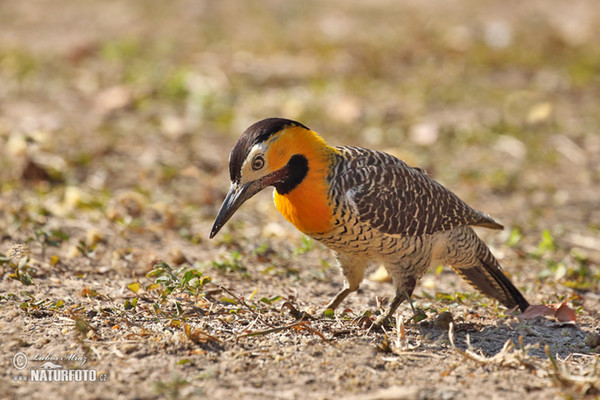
<point x="272" y="152"/>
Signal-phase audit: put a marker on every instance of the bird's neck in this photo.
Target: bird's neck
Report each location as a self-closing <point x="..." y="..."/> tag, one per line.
<point x="307" y="205"/>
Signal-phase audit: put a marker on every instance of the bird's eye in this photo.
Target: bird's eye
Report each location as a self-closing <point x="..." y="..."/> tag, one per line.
<point x="257" y="163"/>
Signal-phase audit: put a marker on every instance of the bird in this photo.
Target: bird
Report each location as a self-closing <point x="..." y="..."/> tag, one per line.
<point x="369" y="207"/>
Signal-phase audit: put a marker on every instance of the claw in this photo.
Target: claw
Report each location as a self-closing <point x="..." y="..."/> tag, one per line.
<point x="418" y="316"/>
<point x="384" y="321"/>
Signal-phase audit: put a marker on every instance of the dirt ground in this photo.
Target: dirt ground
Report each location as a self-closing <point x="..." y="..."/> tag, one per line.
<point x="116" y="120"/>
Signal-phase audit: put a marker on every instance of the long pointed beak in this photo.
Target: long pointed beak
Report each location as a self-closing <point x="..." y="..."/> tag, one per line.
<point x="238" y="194"/>
<point x="235" y="198"/>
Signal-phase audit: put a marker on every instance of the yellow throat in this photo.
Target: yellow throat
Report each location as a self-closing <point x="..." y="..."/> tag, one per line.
<point x="307" y="205"/>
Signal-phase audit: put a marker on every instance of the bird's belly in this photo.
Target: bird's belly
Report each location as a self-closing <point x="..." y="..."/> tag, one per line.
<point x="358" y="239"/>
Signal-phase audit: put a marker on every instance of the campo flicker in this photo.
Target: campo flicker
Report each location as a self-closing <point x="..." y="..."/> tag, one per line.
<point x="368" y="206"/>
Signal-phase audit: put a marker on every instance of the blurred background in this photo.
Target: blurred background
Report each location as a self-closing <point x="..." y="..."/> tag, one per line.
<point x="116" y="122"/>
<point x="117" y="117"/>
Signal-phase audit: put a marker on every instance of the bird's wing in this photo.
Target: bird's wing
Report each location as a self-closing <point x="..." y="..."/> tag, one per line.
<point x="397" y="199"/>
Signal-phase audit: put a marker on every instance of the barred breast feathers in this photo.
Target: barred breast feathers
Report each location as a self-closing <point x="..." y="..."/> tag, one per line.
<point x="397" y="199"/>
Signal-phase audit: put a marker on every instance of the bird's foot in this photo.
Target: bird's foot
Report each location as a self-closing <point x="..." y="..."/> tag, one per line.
<point x="382" y="322"/>
<point x="378" y="325"/>
<point x="387" y="321"/>
<point x="418" y="315"/>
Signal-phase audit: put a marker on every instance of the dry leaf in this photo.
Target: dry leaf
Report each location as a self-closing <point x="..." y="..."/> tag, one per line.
<point x="562" y="312"/>
<point x="536" y="311"/>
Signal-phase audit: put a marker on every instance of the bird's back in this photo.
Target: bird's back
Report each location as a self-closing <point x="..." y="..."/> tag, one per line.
<point x="383" y="193"/>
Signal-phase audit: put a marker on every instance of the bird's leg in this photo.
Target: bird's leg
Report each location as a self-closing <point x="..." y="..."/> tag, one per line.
<point x="354" y="272"/>
<point x="408" y="297"/>
<point x="342" y="294"/>
<point x="385" y="319"/>
<point x="403" y="291"/>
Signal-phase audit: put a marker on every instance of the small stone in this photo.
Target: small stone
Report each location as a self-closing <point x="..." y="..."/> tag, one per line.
<point x="112" y="98"/>
<point x="443" y="320"/>
<point x="124" y="204"/>
<point x="33" y="171"/>
<point x="73" y="252"/>
<point x="592" y="339"/>
<point x="75" y="197"/>
<point x="93" y="236"/>
<point x="539" y="113"/>
<point x="177" y="257"/>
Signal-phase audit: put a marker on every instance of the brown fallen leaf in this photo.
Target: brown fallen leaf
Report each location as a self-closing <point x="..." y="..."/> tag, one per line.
<point x="562" y="312"/>
<point x="536" y="311"/>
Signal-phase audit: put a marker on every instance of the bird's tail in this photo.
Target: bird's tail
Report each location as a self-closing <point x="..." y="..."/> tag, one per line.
<point x="485" y="274"/>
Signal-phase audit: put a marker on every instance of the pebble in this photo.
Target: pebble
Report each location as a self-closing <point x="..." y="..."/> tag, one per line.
<point x="592" y="339"/>
<point x="443" y="320"/>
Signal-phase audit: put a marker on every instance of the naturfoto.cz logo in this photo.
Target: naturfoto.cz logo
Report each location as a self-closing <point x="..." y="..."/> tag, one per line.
<point x="51" y="369"/>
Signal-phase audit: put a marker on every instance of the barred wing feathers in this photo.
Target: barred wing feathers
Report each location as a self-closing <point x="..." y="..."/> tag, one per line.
<point x="397" y="199"/>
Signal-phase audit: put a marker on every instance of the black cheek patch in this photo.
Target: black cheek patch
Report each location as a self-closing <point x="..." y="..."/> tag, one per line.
<point x="298" y="167"/>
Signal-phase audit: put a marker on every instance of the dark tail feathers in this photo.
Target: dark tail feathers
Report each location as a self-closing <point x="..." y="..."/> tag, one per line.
<point x="488" y="278"/>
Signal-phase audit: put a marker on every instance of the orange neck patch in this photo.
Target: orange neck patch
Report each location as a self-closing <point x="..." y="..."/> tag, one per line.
<point x="307" y="205"/>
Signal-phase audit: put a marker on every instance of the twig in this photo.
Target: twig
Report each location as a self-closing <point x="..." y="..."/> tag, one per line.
<point x="562" y="374"/>
<point x="415" y="354"/>
<point x="466" y="354"/>
<point x="314" y="331"/>
<point x="239" y="299"/>
<point x="273" y="330"/>
<point x="505" y="357"/>
<point x="251" y="324"/>
<point x="402" y="345"/>
<point x="299" y="315"/>
<point x="401" y="341"/>
<point x="193" y="334"/>
<point x="242" y="301"/>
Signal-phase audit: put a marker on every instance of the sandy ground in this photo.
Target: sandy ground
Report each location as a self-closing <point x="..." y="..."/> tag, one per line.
<point x="116" y="119"/>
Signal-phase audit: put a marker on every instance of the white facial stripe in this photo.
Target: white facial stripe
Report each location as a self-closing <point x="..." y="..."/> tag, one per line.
<point x="247" y="173"/>
<point x="257" y="148"/>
